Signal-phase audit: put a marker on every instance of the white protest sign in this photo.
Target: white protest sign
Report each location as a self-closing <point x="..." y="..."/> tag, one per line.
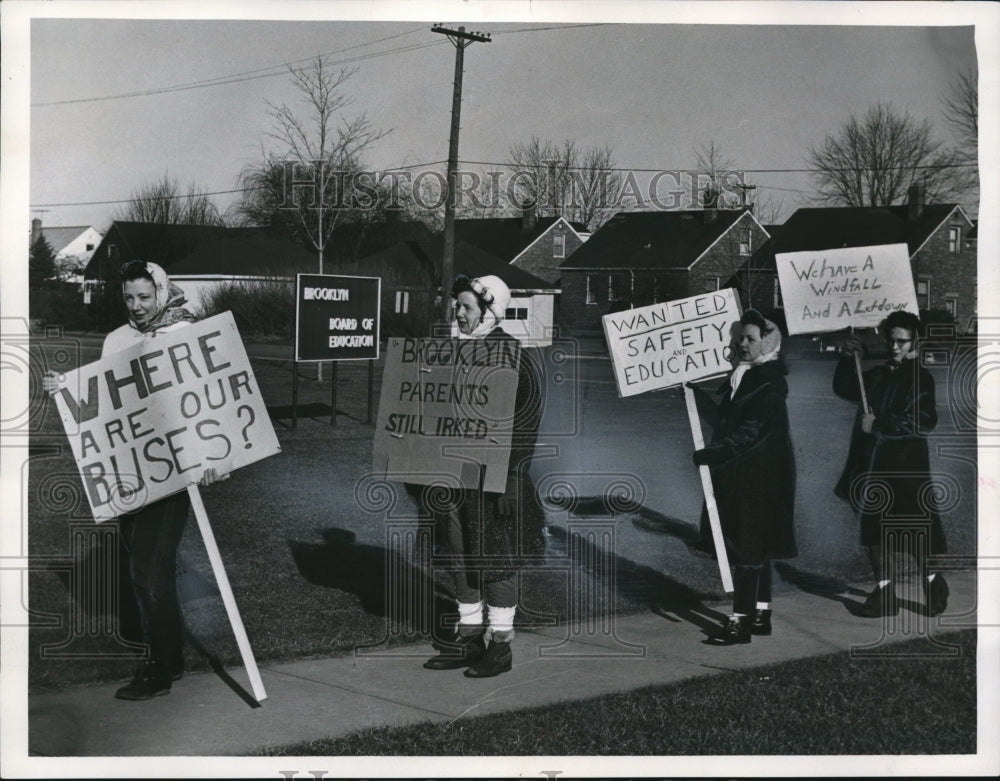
<point x="146" y="422"/>
<point x="668" y="344"/>
<point x="826" y="290"/>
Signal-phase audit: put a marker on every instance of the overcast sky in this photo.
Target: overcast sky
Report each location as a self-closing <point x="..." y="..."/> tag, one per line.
<point x="652" y="92"/>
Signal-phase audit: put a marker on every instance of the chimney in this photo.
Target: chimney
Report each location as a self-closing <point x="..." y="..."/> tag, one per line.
<point x="914" y="201"/>
<point x="710" y="200"/>
<point x="528" y="219"/>
<point x="36" y="229"/>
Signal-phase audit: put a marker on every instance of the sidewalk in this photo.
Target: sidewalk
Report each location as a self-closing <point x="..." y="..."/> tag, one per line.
<point x="320" y="698"/>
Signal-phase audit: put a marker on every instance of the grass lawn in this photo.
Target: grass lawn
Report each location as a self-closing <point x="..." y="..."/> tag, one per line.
<point x="825" y="705"/>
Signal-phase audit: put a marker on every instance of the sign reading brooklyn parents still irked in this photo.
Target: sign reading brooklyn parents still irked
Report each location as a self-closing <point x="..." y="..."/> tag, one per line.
<point x="146" y="422"/>
<point x="825" y="290"/>
<point x="446" y="412"/>
<point x="670" y="343"/>
<point x="336" y="317"/>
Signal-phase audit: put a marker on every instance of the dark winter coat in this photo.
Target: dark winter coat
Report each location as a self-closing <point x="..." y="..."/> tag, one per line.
<point x="752" y="466"/>
<point x="887" y="474"/>
<point x="507" y="542"/>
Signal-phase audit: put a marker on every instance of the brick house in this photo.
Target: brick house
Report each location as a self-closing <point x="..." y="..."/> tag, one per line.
<point x="640" y="258"/>
<point x="940" y="239"/>
<point x="533" y="244"/>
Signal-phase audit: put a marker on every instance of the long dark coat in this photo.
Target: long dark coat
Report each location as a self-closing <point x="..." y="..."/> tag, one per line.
<point x="753" y="466"/>
<point x="506" y="542"/>
<point x="887" y="473"/>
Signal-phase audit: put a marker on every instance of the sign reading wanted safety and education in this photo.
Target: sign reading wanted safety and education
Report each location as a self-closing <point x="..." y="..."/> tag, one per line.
<point x="670" y="343"/>
<point x="146" y="422"/>
<point x="446" y="410"/>
<point x="337" y="317"/>
<point x="826" y="290"/>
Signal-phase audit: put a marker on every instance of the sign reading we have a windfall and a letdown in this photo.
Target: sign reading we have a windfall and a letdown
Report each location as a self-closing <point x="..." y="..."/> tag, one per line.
<point x="670" y="343"/>
<point x="146" y="422"/>
<point x="826" y="290"/>
<point x="446" y="412"/>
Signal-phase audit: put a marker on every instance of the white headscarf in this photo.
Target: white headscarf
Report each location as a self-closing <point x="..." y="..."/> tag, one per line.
<point x="770" y="349"/>
<point x="495" y="296"/>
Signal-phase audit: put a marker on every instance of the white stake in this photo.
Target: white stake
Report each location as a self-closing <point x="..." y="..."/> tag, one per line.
<point x="227" y="594"/>
<point x="861" y="381"/>
<point x="706" y="485"/>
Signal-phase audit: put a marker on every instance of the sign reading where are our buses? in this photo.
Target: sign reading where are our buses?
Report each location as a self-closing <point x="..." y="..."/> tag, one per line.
<point x="446" y="412"/>
<point x="826" y="290"/>
<point x="673" y="342"/>
<point x="146" y="422"/>
<point x="337" y="317"/>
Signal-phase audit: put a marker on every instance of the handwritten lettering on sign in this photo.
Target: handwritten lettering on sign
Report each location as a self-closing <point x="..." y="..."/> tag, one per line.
<point x="144" y="423"/>
<point x="826" y="290"/>
<point x="446" y="410"/>
<point x="667" y="344"/>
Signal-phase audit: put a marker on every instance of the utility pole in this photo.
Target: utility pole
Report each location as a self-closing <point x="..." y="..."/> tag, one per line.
<point x="461" y="39"/>
<point x="743" y="194"/>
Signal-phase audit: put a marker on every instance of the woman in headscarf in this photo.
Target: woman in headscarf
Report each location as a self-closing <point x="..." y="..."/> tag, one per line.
<point x="150" y="536"/>
<point x="753" y="473"/>
<point x="509" y="525"/>
<point x="889" y="457"/>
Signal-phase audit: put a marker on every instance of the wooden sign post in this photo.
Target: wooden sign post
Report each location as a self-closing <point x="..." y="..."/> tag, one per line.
<point x="669" y="344"/>
<point x="145" y="423"/>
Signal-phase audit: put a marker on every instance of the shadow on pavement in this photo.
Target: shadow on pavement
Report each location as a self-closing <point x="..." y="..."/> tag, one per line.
<point x="820" y="585"/>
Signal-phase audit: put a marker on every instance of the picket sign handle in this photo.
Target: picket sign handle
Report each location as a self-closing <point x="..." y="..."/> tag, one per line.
<point x="861" y="381"/>
<point x="227" y="593"/>
<point x="706" y="486"/>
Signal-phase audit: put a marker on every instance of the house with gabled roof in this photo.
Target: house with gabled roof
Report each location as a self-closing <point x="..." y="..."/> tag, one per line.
<point x="410" y="273"/>
<point x="533" y="244"/>
<point x="940" y="239"/>
<point x="73" y="246"/>
<point x="642" y="257"/>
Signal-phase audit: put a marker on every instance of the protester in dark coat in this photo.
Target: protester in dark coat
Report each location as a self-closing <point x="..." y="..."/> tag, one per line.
<point x="508" y="524"/>
<point x="753" y="474"/>
<point x="150" y="536"/>
<point x="887" y="474"/>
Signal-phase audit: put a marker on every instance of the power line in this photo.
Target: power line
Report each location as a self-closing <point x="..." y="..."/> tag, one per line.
<point x="252" y="75"/>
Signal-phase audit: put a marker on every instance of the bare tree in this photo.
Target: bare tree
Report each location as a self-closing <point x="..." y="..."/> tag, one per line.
<point x="872" y="161"/>
<point x="961" y="112"/>
<point x="319" y="148"/>
<point x="162" y="202"/>
<point x="714" y="169"/>
<point x="563" y="179"/>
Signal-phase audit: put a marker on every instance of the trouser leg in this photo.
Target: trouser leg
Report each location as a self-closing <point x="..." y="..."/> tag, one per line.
<point x="746" y="583"/>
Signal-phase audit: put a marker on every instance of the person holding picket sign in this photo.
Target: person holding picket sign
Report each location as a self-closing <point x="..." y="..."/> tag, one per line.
<point x="887" y="474"/>
<point x="753" y="473"/>
<point x="509" y="525"/>
<point x="151" y="535"/>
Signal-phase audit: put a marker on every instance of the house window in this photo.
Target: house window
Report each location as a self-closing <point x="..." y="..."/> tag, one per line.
<point x="616" y="287"/>
<point x="954" y="238"/>
<point x="746" y="245"/>
<point x="951" y="306"/>
<point x="591" y="289"/>
<point x="776" y="294"/>
<point x="660" y="292"/>
<point x="402" y="302"/>
<point x="712" y="283"/>
<point x="559" y="245"/>
<point x="90" y="247"/>
<point x="112" y="252"/>
<point x="923" y="293"/>
<point x="516" y="313"/>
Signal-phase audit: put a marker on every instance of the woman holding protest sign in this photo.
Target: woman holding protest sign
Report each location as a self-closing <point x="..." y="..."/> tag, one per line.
<point x="887" y="474"/>
<point x="151" y="535"/>
<point x="500" y="528"/>
<point x="753" y="473"/>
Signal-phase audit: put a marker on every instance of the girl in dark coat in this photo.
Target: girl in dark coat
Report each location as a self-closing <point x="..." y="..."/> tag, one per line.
<point x="509" y="525"/>
<point x="887" y="474"/>
<point x="753" y="474"/>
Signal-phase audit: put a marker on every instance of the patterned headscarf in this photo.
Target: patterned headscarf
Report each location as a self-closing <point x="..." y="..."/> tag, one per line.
<point x="770" y="342"/>
<point x="170" y="302"/>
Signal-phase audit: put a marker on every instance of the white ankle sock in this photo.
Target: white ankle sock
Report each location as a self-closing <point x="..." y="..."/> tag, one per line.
<point x="763" y="605"/>
<point x="884" y="583"/>
<point x="931" y="577"/>
<point x="501" y="619"/>
<point x="470" y="613"/>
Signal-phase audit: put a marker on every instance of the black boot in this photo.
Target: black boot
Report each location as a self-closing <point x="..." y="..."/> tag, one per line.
<point x="935" y="595"/>
<point x="461" y="651"/>
<point x="151" y="680"/>
<point x="880" y="603"/>
<point x="761" y="623"/>
<point x="497" y="659"/>
<point x="735" y="632"/>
